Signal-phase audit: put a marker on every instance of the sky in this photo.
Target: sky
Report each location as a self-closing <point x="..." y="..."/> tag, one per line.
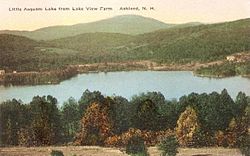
<point x="168" y="11"/>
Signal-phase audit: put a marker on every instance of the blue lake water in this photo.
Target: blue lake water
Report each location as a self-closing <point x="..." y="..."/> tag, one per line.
<point x="172" y="84"/>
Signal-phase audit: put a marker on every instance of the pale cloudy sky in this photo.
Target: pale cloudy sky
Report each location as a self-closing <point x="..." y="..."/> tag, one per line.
<point x="169" y="11"/>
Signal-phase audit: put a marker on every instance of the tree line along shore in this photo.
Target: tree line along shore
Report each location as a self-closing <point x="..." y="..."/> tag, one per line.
<point x="216" y="69"/>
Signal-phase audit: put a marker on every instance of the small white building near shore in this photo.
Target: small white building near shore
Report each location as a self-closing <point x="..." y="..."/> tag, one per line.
<point x="231" y="58"/>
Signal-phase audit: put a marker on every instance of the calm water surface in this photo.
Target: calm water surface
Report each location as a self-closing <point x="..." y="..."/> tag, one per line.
<point x="172" y="84"/>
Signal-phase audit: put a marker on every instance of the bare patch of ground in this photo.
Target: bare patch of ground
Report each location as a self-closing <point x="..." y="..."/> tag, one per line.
<point x="67" y="151"/>
<point x="101" y="151"/>
<point x="200" y="152"/>
<point x="142" y="65"/>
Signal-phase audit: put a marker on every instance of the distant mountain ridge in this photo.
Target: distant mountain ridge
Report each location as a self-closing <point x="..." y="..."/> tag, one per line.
<point x="124" y="24"/>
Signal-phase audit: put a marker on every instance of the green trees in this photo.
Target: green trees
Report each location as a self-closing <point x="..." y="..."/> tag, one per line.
<point x="169" y="146"/>
<point x="216" y="112"/>
<point x="146" y="111"/>
<point x="122" y="115"/>
<point x="200" y="120"/>
<point x="46" y="122"/>
<point x="147" y="116"/>
<point x="56" y="153"/>
<point x="88" y="98"/>
<point x="243" y="68"/>
<point x="242" y="131"/>
<point x="13" y="117"/>
<point x="136" y="146"/>
<point x="244" y="145"/>
<point x="239" y="125"/>
<point x="224" y="70"/>
<point x="221" y="119"/>
<point x="244" y="140"/>
<point x="70" y="118"/>
<point x="41" y="77"/>
<point x="241" y="103"/>
<point x="37" y="123"/>
<point x="169" y="114"/>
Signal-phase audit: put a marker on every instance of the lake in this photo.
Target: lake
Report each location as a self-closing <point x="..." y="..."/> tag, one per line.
<point x="172" y="84"/>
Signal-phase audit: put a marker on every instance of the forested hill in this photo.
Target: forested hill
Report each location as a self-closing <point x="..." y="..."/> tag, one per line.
<point x="23" y="54"/>
<point x="197" y="43"/>
<point x="98" y="43"/>
<point x="126" y="24"/>
<point x="15" y="51"/>
<point x="202" y="43"/>
<point x="13" y="42"/>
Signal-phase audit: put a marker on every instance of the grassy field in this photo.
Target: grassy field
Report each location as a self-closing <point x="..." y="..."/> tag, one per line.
<point x="100" y="151"/>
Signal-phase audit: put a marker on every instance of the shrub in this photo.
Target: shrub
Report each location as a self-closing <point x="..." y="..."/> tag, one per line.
<point x="150" y="138"/>
<point x="220" y="138"/>
<point x="169" y="146"/>
<point x="245" y="145"/>
<point x="136" y="146"/>
<point x="25" y="137"/>
<point x="56" y="153"/>
<point x="202" y="139"/>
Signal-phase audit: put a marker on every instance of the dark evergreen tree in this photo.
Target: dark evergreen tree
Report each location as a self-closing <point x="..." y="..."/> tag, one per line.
<point x="88" y="98"/>
<point x="71" y="118"/>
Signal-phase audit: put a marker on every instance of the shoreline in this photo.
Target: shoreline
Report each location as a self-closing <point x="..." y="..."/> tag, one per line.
<point x="57" y="76"/>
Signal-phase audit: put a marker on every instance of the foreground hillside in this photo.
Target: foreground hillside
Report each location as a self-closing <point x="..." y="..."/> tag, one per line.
<point x="100" y="151"/>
